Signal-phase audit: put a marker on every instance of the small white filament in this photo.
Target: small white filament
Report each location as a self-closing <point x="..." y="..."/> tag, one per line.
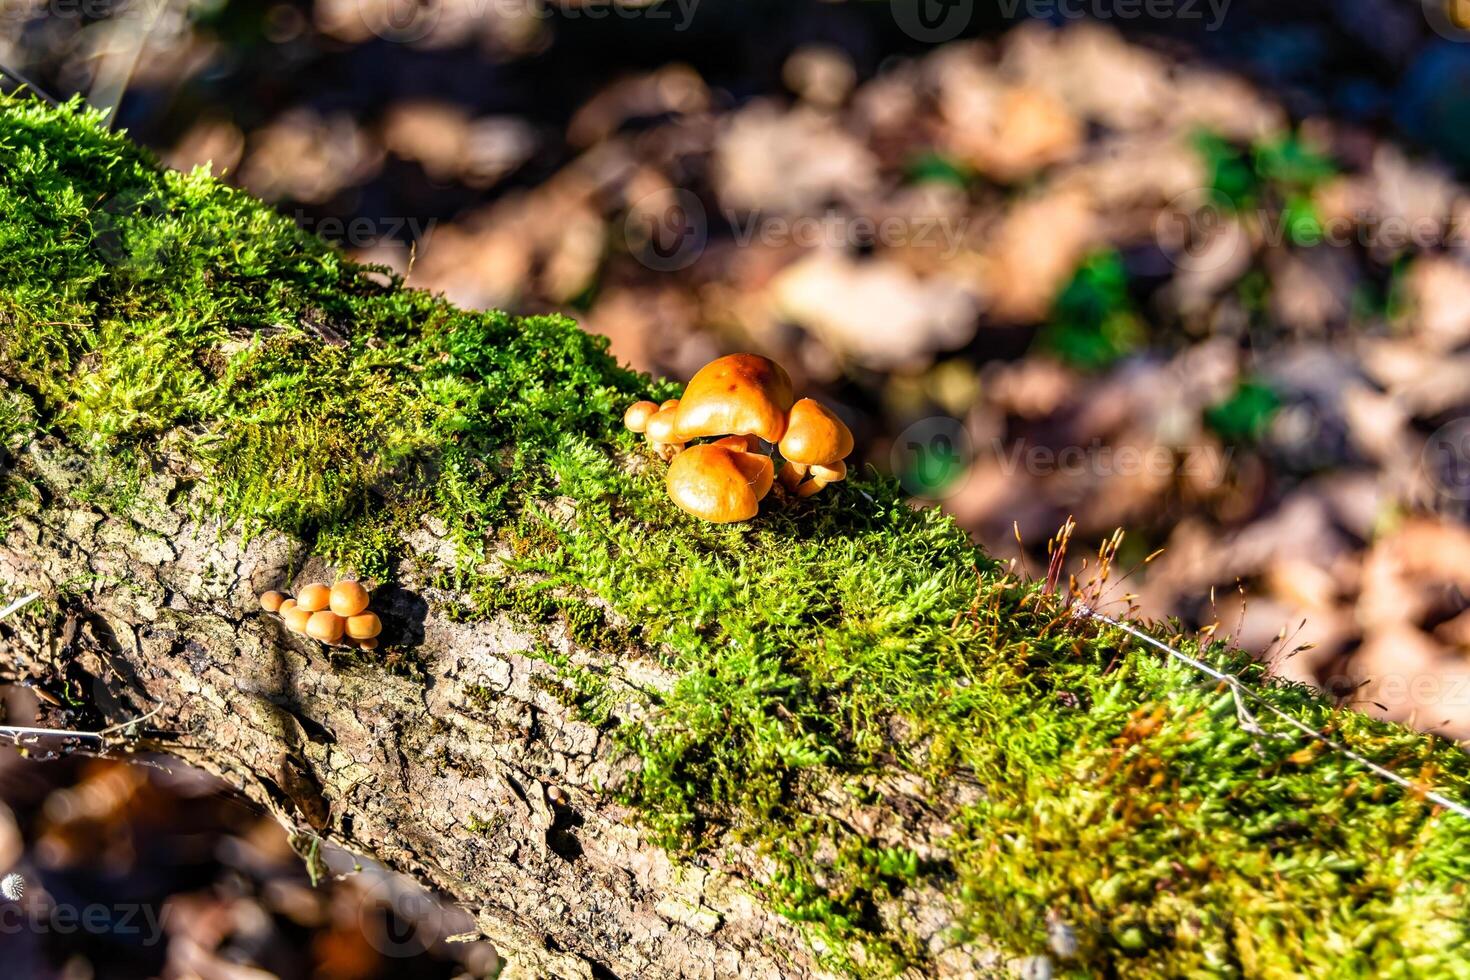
<point x="13" y="886"/>
<point x="1239" y="688"/>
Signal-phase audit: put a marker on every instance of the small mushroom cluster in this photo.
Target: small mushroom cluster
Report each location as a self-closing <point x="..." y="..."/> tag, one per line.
<point x="744" y="402"/>
<point x="337" y="616"/>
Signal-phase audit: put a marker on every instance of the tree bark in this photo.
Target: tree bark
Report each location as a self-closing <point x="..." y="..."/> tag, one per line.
<point x="466" y="772"/>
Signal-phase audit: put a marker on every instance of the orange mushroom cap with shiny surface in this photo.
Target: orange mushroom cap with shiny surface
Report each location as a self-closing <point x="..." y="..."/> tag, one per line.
<point x="364" y="626"/>
<point x="739" y="394"/>
<point x="348" y="598"/>
<point x="814" y="435"/>
<point x="326" y="626"/>
<point x="314" y="597"/>
<point x="637" y="416"/>
<point x="718" y="484"/>
<point x="296" y="619"/>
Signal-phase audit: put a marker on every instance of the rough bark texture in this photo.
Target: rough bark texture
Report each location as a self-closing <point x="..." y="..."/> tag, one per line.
<point x="466" y="772"/>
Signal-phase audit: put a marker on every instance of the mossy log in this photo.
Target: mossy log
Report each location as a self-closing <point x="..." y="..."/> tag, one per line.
<point x="837" y="739"/>
<point x="464" y="767"/>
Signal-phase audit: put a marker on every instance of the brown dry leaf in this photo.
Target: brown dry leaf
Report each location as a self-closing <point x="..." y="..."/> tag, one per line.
<point x="308" y="158"/>
<point x="1007" y="131"/>
<point x="789" y="162"/>
<point x="821" y="74"/>
<point x="215" y="142"/>
<point x="1092" y="70"/>
<point x="1438" y="292"/>
<point x="1407" y="677"/>
<point x="676" y="89"/>
<point x="433" y="134"/>
<point x="875" y="311"/>
<point x="1035" y="250"/>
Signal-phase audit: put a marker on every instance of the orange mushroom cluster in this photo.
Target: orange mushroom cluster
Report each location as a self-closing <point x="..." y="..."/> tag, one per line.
<point x="744" y="402"/>
<point x="337" y="616"/>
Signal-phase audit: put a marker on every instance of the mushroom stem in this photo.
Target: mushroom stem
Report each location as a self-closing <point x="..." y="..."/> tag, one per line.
<point x="821" y="476"/>
<point x="810" y="487"/>
<point x="667" y="450"/>
<point x="791" y="474"/>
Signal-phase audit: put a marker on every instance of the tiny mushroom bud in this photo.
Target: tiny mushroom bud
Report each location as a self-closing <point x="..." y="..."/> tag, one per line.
<point x="814" y="437"/>
<point x="364" y="626"/>
<point x="740" y="394"/>
<point x="719" y="485"/>
<point x="271" y="601"/>
<point x="348" y="598"/>
<point x="371" y="643"/>
<point x="314" y="597"/>
<point x="326" y="626"/>
<point x="637" y="416"/>
<point x="286" y="606"/>
<point x="296" y="619"/>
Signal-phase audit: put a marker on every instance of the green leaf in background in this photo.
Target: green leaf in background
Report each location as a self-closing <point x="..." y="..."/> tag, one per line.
<point x="1290" y="162"/>
<point x="1300" y="219"/>
<point x="1232" y="178"/>
<point x="1093" y="321"/>
<point x="1244" y="416"/>
<point x="936" y="168"/>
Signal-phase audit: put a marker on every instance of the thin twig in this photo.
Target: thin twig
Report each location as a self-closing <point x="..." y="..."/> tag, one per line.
<point x="1239" y="688"/>
<point x="40" y="93"/>
<point x="19" y="604"/>
<point x="17" y="732"/>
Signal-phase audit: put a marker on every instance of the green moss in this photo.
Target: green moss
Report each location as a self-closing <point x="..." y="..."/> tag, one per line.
<point x="815" y="648"/>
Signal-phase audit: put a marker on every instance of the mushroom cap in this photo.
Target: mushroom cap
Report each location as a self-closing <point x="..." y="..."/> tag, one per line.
<point x="638" y="414"/>
<point x="371" y="643"/>
<point x="286" y="606"/>
<point x="364" y="626"/>
<point x="314" y="597"/>
<point x="758" y="468"/>
<point x="660" y="427"/>
<point x="296" y="619"/>
<point x="714" y="483"/>
<point x="348" y="598"/>
<point x="326" y="626"/>
<point x="271" y="601"/>
<point x="814" y="436"/>
<point x="739" y="394"/>
<point x="834" y="472"/>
